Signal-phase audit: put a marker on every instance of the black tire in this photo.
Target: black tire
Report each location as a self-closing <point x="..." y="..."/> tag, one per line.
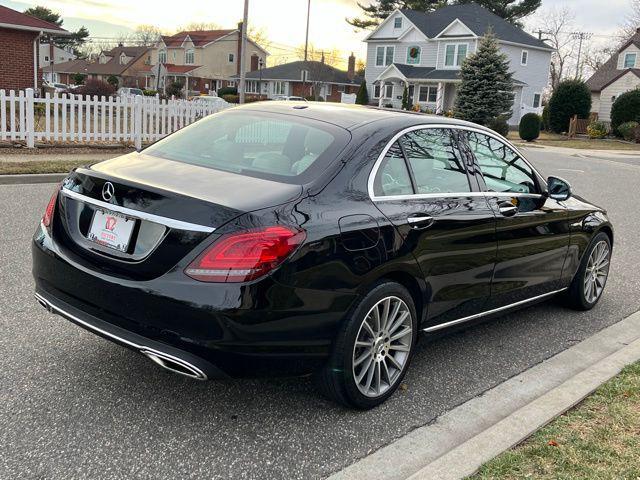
<point x="576" y="296"/>
<point x="337" y="379"/>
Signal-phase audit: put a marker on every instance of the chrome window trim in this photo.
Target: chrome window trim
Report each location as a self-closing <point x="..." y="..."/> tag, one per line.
<point x="167" y="222"/>
<point x="492" y="311"/>
<point x="418" y="196"/>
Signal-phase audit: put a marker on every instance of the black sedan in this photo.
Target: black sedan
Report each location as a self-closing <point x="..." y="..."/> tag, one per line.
<point x="307" y="238"/>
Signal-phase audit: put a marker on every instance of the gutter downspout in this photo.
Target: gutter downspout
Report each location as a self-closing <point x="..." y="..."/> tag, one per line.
<point x="36" y="42"/>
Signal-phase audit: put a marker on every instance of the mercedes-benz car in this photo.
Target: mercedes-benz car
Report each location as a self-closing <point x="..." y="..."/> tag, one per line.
<point x="280" y="238"/>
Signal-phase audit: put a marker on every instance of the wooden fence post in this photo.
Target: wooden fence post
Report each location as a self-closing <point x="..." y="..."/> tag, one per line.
<point x="137" y="122"/>
<point x="29" y="121"/>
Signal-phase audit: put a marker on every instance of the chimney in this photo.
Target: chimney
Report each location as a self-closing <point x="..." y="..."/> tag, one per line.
<point x="254" y="62"/>
<point x="322" y="58"/>
<point x="351" y="68"/>
<point x="239" y="55"/>
<point x="120" y="44"/>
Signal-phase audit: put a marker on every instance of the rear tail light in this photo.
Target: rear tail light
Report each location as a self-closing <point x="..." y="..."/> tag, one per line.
<point x="47" y="217"/>
<point x="244" y="256"/>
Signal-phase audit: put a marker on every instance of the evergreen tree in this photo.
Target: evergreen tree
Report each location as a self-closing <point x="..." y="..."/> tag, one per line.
<point x="362" y="97"/>
<point x="511" y="10"/>
<point x="75" y="40"/>
<point x="486" y="90"/>
<point x="405" y="99"/>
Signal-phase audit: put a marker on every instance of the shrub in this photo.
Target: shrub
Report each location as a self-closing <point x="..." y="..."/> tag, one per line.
<point x="499" y="125"/>
<point x="626" y="108"/>
<point x="529" y="128"/>
<point x="78" y="79"/>
<point x="174" y="89"/>
<point x="405" y="99"/>
<point x="149" y="93"/>
<point x="96" y="87"/>
<point x="545" y="118"/>
<point x="230" y="98"/>
<point x="112" y="80"/>
<point x="628" y="130"/>
<point x="312" y="98"/>
<point x="597" y="130"/>
<point x="362" y="97"/>
<point x="571" y="97"/>
<point x="227" y="91"/>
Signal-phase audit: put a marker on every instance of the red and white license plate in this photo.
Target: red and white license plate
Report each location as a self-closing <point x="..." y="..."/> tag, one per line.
<point x="111" y="230"/>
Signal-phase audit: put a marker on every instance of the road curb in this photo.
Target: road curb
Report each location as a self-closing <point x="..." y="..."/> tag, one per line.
<point x="460" y="441"/>
<point x="32" y="178"/>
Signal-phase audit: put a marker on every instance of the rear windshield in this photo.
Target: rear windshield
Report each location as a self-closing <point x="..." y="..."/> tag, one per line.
<point x="278" y="147"/>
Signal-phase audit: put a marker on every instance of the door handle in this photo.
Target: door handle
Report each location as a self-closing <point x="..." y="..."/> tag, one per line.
<point x="419" y="222"/>
<point x="507" y="209"/>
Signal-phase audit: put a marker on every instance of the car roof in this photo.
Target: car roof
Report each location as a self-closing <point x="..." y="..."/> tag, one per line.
<point x="350" y="116"/>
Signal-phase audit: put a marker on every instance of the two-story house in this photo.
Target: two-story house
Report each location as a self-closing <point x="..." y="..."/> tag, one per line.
<point x="618" y="75"/>
<point x="424" y="52"/>
<point x="202" y="60"/>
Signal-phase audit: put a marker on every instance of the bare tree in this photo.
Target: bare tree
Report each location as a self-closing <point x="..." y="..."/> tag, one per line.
<point x="332" y="57"/>
<point x="555" y="25"/>
<point x="199" y="26"/>
<point x="632" y="20"/>
<point x="146" y="35"/>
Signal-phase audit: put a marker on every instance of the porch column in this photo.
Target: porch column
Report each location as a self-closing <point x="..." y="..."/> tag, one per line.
<point x="186" y="87"/>
<point x="440" y="99"/>
<point x="380" y="102"/>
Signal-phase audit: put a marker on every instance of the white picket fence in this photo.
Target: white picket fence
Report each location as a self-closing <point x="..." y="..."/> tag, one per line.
<point x="86" y="119"/>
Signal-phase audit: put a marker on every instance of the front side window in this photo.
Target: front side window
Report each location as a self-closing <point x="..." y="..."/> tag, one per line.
<point x="376" y="91"/>
<point x="524" y="58"/>
<point x="502" y="168"/>
<point x="388" y="91"/>
<point x="436" y="161"/>
<point x="271" y="146"/>
<point x="428" y="93"/>
<point x="455" y="54"/>
<point x="397" y="22"/>
<point x="536" y="100"/>
<point x="392" y="177"/>
<point x="162" y="56"/>
<point x="279" y="88"/>
<point x="630" y="60"/>
<point x="231" y="57"/>
<point x="413" y="55"/>
<point x="384" y="56"/>
<point x="189" y="57"/>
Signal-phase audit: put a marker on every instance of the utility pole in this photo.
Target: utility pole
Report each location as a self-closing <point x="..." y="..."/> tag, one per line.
<point x="581" y="36"/>
<point x="243" y="50"/>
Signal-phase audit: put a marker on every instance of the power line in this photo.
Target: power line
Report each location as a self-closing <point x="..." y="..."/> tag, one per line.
<point x="581" y="36"/>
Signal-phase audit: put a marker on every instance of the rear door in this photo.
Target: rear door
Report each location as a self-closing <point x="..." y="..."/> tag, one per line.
<point x="423" y="186"/>
<point x="532" y="229"/>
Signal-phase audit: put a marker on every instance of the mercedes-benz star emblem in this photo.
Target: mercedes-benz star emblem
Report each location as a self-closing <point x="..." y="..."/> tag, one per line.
<point x="107" y="191"/>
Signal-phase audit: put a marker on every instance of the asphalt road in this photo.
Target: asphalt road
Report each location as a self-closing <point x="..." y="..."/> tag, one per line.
<point x="73" y="405"/>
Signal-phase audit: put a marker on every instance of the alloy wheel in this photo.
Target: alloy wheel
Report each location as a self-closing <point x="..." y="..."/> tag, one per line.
<point x="595" y="275"/>
<point x="382" y="346"/>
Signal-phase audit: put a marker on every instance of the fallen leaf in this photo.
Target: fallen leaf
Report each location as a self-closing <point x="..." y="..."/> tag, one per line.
<point x="553" y="443"/>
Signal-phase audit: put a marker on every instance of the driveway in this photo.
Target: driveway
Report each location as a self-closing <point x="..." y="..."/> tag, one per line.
<point x="73" y="405"/>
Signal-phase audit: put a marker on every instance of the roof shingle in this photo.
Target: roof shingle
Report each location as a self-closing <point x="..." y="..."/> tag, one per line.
<point x="293" y="71"/>
<point x="12" y="17"/>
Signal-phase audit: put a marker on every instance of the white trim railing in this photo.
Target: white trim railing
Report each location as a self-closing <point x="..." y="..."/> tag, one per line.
<point x="73" y="118"/>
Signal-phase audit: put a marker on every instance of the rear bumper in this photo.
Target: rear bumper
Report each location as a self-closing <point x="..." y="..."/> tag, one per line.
<point x="238" y="330"/>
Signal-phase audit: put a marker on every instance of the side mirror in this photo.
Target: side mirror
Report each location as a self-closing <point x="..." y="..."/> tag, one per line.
<point x="558" y="188"/>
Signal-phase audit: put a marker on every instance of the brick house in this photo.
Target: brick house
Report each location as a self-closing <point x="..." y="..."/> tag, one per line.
<point x="127" y="64"/>
<point x="300" y="78"/>
<point x="19" y="45"/>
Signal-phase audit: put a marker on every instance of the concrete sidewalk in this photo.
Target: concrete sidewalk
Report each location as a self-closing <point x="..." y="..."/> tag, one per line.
<point x="581" y="151"/>
<point x="465" y="438"/>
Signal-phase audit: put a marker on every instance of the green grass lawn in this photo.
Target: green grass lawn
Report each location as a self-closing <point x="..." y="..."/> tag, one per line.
<point x="40" y="166"/>
<point x="555" y="140"/>
<point x="598" y="439"/>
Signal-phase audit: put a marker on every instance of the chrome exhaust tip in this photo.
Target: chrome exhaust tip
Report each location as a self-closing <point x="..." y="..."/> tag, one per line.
<point x="174" y="364"/>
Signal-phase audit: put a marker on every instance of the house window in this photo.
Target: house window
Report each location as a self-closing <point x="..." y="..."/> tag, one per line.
<point x="428" y="93"/>
<point x="251" y="86"/>
<point x="413" y="55"/>
<point x="455" y="54"/>
<point x="46" y="58"/>
<point x="536" y="100"/>
<point x="304" y="75"/>
<point x="123" y="59"/>
<point x="376" y="91"/>
<point x="384" y="56"/>
<point x="279" y="88"/>
<point x="524" y="58"/>
<point x="231" y="83"/>
<point x="162" y="56"/>
<point x="388" y="91"/>
<point x="231" y="58"/>
<point x="189" y="57"/>
<point x="397" y="22"/>
<point x="630" y="60"/>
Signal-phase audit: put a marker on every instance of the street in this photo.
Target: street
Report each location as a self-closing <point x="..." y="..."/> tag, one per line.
<point x="73" y="405"/>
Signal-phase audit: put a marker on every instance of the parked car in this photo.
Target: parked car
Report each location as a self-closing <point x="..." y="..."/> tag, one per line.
<point x="286" y="239"/>
<point x="288" y="98"/>
<point x="217" y="102"/>
<point x="55" y="87"/>
<point x="129" y="92"/>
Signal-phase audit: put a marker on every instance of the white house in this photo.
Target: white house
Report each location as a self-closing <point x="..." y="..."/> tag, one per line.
<point x="59" y="55"/>
<point x="424" y="51"/>
<point x="618" y="75"/>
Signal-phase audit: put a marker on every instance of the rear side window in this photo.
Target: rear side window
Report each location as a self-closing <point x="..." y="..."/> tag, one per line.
<point x="265" y="145"/>
<point x="436" y="162"/>
<point x="502" y="168"/>
<point x="392" y="177"/>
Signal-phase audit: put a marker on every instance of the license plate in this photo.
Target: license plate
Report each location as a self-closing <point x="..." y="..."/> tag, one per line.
<point x="111" y="230"/>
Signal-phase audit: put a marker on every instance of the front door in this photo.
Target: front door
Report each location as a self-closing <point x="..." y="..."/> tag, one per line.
<point x="423" y="187"/>
<point x="532" y="230"/>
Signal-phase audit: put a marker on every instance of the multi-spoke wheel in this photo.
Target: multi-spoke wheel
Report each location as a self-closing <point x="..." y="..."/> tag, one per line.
<point x="373" y="348"/>
<point x="382" y="346"/>
<point x="591" y="278"/>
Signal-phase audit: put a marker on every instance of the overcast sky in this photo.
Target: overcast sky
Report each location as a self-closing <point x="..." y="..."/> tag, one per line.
<point x="282" y="20"/>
